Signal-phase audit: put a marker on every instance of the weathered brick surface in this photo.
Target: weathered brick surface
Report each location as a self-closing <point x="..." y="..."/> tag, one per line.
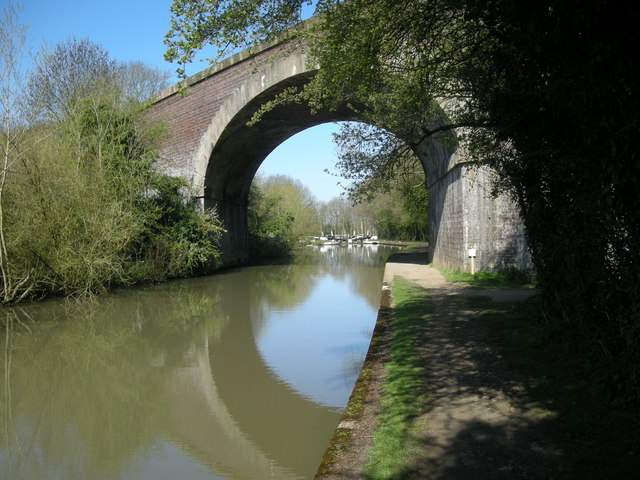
<point x="187" y="117"/>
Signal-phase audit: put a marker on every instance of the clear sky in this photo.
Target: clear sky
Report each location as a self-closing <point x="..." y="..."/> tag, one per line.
<point x="134" y="30"/>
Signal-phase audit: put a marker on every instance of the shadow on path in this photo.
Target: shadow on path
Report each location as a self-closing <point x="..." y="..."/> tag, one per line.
<point x="473" y="424"/>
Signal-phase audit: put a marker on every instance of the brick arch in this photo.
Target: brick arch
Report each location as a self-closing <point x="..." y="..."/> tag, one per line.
<point x="209" y="144"/>
<point x="195" y="120"/>
<point x="230" y="120"/>
<point x="239" y="150"/>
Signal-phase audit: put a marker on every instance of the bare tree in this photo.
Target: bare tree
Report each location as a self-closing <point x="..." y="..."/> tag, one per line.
<point x="74" y="70"/>
<point x="15" y="122"/>
<point x="140" y="82"/>
<point x="67" y="73"/>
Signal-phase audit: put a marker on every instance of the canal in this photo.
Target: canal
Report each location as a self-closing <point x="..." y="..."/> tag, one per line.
<point x="241" y="375"/>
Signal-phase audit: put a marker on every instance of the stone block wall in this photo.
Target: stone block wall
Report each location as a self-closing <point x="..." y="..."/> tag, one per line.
<point x="492" y="225"/>
<point x="464" y="215"/>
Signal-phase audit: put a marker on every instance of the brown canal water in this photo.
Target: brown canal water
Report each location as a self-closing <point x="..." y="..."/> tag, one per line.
<point x="238" y="376"/>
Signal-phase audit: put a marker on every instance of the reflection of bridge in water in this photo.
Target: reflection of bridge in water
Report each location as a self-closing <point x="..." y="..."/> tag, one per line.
<point x="228" y="410"/>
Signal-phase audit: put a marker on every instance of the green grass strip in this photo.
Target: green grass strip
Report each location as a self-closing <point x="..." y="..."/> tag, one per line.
<point x="403" y="389"/>
<point x="511" y="278"/>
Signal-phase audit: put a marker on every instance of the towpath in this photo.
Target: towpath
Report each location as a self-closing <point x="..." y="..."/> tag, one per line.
<point x="472" y="425"/>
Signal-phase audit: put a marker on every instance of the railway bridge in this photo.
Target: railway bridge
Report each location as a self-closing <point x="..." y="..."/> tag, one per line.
<point x="210" y="145"/>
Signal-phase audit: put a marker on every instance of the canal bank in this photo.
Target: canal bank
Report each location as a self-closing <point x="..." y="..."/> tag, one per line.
<point x="470" y="424"/>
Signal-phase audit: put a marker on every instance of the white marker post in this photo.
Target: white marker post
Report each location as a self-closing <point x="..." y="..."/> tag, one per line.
<point x="472" y="256"/>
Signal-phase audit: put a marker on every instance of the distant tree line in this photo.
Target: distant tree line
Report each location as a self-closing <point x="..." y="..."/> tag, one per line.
<point x="83" y="206"/>
<point x="282" y="212"/>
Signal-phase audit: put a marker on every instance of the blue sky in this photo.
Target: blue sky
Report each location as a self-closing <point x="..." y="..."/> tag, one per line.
<point x="134" y="30"/>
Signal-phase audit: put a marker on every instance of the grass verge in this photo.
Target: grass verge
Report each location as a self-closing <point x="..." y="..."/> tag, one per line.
<point x="403" y="387"/>
<point x="511" y="278"/>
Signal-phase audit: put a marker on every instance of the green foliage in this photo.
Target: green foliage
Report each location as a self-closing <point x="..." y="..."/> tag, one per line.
<point x="273" y="239"/>
<point x="106" y="136"/>
<point x="397" y="211"/>
<point x="290" y="195"/>
<point x="227" y="26"/>
<point x="400" y="211"/>
<point x="565" y="147"/>
<point x="387" y="174"/>
<point x="403" y="213"/>
<point x="281" y="211"/>
<point x="271" y="224"/>
<point x="180" y="241"/>
<point x="66" y="229"/>
<point x="372" y="158"/>
<point x="79" y="231"/>
<point x="82" y="207"/>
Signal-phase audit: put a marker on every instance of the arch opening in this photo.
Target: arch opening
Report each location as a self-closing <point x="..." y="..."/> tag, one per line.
<point x="240" y="150"/>
<point x="210" y="145"/>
